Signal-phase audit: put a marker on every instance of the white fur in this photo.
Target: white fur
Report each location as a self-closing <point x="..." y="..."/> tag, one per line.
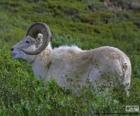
<point x="72" y="67"/>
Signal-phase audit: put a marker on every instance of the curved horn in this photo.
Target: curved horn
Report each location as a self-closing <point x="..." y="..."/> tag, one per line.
<point x="33" y="32"/>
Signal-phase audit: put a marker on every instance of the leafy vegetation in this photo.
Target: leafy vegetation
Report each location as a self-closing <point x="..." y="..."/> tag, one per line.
<point x="84" y="23"/>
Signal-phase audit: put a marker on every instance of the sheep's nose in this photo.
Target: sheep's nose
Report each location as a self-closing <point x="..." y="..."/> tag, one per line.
<point x="12" y="49"/>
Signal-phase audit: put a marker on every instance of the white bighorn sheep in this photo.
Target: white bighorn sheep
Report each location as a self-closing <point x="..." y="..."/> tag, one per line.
<point x="70" y="66"/>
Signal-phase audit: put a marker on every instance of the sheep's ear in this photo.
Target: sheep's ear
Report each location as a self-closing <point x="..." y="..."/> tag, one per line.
<point x="39" y="40"/>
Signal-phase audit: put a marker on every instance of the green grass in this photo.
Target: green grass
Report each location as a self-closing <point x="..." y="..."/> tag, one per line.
<point x="72" y="23"/>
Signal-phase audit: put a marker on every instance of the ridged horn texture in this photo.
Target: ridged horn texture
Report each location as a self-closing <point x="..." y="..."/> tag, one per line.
<point x="33" y="31"/>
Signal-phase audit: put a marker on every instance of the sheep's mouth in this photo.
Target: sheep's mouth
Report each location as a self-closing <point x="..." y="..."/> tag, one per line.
<point x="14" y="55"/>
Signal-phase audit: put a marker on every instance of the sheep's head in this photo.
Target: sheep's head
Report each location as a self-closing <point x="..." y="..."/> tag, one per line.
<point x="37" y="38"/>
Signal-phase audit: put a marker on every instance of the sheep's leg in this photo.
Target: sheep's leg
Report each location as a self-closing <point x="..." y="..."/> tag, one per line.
<point x="127" y="77"/>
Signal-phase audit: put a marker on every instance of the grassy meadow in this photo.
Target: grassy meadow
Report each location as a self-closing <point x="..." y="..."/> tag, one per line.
<point x="85" y="23"/>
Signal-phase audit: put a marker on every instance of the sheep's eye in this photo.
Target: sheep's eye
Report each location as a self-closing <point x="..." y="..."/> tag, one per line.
<point x="27" y="42"/>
